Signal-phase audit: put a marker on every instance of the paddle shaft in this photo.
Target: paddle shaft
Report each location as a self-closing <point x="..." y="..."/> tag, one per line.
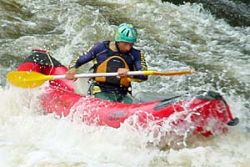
<point x="130" y="73"/>
<point x="89" y="75"/>
<point x="26" y="79"/>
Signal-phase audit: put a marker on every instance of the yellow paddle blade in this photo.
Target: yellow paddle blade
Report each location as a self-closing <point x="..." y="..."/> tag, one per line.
<point x="148" y="72"/>
<point x="26" y="79"/>
<point x="169" y="73"/>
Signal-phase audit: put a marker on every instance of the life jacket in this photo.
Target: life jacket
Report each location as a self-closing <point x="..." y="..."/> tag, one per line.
<point x="112" y="64"/>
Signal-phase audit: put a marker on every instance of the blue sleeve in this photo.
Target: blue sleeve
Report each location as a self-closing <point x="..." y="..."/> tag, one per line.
<point x="140" y="65"/>
<point x="90" y="55"/>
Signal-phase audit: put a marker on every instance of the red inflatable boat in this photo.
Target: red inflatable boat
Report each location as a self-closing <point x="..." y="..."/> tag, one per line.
<point x="203" y="110"/>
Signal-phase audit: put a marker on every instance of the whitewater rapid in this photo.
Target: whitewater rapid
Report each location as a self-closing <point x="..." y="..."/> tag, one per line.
<point x="172" y="37"/>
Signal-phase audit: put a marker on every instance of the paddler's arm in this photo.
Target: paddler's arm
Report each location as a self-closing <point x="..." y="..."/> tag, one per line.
<point x="140" y="65"/>
<point x="83" y="59"/>
<point x="71" y="73"/>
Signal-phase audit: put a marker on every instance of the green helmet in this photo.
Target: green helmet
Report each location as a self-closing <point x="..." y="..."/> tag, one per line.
<point x="126" y="33"/>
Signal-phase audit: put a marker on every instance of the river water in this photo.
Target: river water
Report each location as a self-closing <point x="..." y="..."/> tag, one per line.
<point x="172" y="37"/>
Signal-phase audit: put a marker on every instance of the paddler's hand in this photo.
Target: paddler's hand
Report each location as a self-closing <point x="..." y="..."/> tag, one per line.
<point x="71" y="73"/>
<point x="122" y="72"/>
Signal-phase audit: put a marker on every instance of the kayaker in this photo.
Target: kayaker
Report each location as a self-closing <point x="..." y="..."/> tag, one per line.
<point x="114" y="56"/>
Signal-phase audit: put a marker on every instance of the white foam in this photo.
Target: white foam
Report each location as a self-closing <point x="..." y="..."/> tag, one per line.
<point x="172" y="38"/>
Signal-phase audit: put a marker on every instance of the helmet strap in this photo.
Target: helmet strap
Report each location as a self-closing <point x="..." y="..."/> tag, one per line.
<point x="117" y="46"/>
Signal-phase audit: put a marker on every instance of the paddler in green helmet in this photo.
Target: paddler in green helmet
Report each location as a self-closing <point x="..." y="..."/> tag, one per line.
<point x="114" y="56"/>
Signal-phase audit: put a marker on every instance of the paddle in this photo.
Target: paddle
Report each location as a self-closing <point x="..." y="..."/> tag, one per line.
<point x="27" y="79"/>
